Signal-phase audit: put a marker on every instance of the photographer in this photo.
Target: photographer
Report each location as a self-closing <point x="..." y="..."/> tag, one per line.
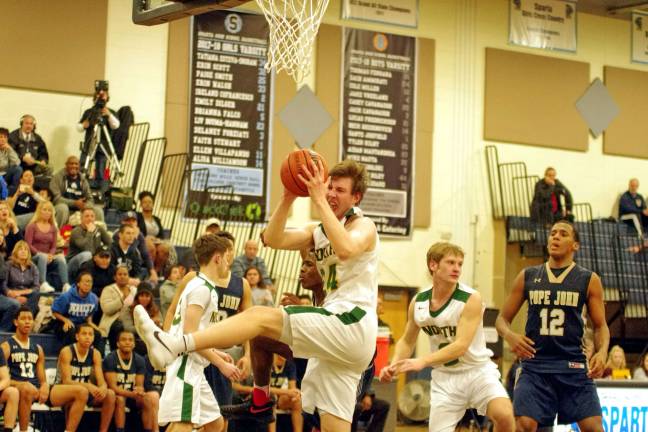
<point x="98" y="116"/>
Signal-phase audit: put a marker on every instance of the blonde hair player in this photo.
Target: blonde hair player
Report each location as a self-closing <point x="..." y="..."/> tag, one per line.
<point x="338" y="338"/>
<point x="463" y="376"/>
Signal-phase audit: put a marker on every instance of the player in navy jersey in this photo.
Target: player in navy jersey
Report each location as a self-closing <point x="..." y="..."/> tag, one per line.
<point x="8" y="396"/>
<point x="555" y="377"/>
<point x="26" y="361"/>
<point x="80" y="364"/>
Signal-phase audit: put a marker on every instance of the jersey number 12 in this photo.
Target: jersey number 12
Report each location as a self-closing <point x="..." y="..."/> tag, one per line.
<point x="552" y="322"/>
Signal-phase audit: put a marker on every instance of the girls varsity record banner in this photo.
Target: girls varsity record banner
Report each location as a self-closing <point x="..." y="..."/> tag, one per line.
<point x="546" y="24"/>
<point x="378" y="122"/>
<point x="229" y="128"/>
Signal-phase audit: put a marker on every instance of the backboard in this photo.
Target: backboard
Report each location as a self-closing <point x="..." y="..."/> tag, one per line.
<point x="152" y="12"/>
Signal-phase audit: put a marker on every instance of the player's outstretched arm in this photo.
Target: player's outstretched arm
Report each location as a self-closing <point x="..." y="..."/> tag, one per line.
<point x="521" y="345"/>
<point x="277" y="236"/>
<point x="404" y="347"/>
<point x="466" y="329"/>
<point x="596" y="311"/>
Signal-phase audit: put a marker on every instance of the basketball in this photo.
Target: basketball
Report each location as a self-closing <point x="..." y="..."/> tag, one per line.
<point x="294" y="165"/>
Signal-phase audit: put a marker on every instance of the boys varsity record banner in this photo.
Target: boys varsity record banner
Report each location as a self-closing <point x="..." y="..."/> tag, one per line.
<point x="546" y="24"/>
<point x="378" y="122"/>
<point x="229" y="128"/>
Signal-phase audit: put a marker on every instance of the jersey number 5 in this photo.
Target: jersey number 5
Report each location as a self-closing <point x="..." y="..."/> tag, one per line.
<point x="552" y="322"/>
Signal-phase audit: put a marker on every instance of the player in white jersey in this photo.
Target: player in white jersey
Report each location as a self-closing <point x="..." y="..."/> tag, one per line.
<point x="187" y="401"/>
<point x="338" y="338"/>
<point x="463" y="376"/>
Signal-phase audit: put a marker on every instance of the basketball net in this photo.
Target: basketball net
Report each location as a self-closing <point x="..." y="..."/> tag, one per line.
<point x="293" y="27"/>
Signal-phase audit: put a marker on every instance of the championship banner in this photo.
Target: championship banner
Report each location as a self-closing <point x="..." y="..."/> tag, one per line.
<point x="394" y="12"/>
<point x="378" y="122"/>
<point x="546" y="24"/>
<point x="639" y="37"/>
<point x="229" y="127"/>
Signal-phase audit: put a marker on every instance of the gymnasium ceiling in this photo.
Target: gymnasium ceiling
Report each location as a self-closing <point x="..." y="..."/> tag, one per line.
<point x="620" y="9"/>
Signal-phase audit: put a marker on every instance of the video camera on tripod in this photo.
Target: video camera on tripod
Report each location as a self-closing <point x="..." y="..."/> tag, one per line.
<point x="100" y="136"/>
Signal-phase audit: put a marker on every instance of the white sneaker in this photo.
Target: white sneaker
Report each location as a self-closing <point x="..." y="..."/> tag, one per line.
<point x="66" y="287"/>
<point x="163" y="348"/>
<point x="46" y="288"/>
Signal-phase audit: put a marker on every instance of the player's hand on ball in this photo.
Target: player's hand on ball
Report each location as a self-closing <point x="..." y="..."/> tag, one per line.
<point x="521" y="345"/>
<point x="596" y="365"/>
<point x="409" y="365"/>
<point x="314" y="180"/>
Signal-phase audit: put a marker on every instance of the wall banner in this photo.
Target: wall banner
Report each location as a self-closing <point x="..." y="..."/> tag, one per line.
<point x="229" y="127"/>
<point x="394" y="12"/>
<point x="639" y="25"/>
<point x="378" y="122"/>
<point x="546" y="24"/>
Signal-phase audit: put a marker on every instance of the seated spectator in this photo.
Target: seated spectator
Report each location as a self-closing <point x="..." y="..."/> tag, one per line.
<point x="30" y="147"/>
<point x="25" y="200"/>
<point x="8" y="305"/>
<point x="80" y="364"/>
<point x="162" y="253"/>
<point x="71" y="192"/>
<point x="9" y="396"/>
<point x="130" y="218"/>
<point x="22" y="281"/>
<point x="46" y="194"/>
<point x="250" y="259"/>
<point x="9" y="227"/>
<point x="115" y="299"/>
<point x="372" y="411"/>
<point x="261" y="296"/>
<point x="188" y="260"/>
<point x="168" y="288"/>
<point x="101" y="268"/>
<point x="283" y="384"/>
<point x="124" y="371"/>
<point x="154" y="380"/>
<point x="616" y="364"/>
<point x="85" y="239"/>
<point x="124" y="251"/>
<point x="547" y="206"/>
<point x="149" y="224"/>
<point x="41" y="236"/>
<point x="74" y="307"/>
<point x="143" y="297"/>
<point x="632" y="203"/>
<point x="9" y="163"/>
<point x="641" y="373"/>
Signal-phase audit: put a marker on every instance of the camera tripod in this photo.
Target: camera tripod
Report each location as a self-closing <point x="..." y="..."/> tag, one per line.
<point x="95" y="143"/>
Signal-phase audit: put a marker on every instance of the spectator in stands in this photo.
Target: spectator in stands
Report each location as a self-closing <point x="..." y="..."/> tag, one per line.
<point x="101" y="268"/>
<point x="632" y="203"/>
<point x="89" y="119"/>
<point x="143" y="297"/>
<point x="46" y="194"/>
<point x="9" y="395"/>
<point x="188" y="260"/>
<point x="616" y="365"/>
<point x="25" y="200"/>
<point x="641" y="373"/>
<point x="168" y="288"/>
<point x="9" y="163"/>
<point x="154" y="380"/>
<point x="372" y="411"/>
<point x="22" y="281"/>
<point x="250" y="259"/>
<point x="85" y="240"/>
<point x="148" y="223"/>
<point x="80" y="364"/>
<point x="9" y="228"/>
<point x="130" y="218"/>
<point x="30" y="147"/>
<point x="26" y="361"/>
<point x="71" y="192"/>
<point x="8" y="305"/>
<point x="124" y="251"/>
<point x="115" y="298"/>
<point x="552" y="200"/>
<point x="261" y="296"/>
<point x="124" y="371"/>
<point x="41" y="236"/>
<point x="76" y="306"/>
<point x="283" y="380"/>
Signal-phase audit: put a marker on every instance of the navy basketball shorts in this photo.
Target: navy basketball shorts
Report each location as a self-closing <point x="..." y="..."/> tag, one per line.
<point x="542" y="396"/>
<point x="220" y="385"/>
